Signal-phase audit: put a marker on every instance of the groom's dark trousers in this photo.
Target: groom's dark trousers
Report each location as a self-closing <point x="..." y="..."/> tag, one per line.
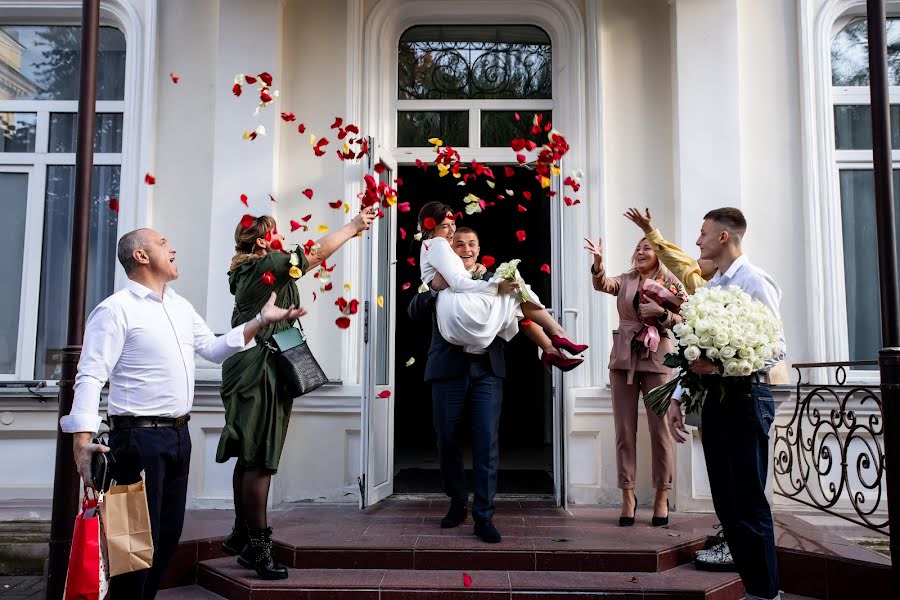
<point x="458" y="378"/>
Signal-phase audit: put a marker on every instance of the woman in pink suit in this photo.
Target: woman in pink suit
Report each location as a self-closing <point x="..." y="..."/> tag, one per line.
<point x="635" y="369"/>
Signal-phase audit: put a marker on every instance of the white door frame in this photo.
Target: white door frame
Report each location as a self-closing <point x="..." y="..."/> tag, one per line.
<point x="375" y="101"/>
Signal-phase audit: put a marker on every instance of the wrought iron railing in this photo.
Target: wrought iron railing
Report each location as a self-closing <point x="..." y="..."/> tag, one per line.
<point x="830" y="455"/>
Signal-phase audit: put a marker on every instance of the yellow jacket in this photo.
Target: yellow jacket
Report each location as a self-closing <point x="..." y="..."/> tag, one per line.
<point x="677" y="261"/>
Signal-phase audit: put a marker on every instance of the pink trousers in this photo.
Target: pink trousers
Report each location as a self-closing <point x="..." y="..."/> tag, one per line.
<point x="625" y="399"/>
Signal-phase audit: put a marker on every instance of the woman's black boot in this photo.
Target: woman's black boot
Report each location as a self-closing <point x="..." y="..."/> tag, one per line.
<point x="258" y="555"/>
<point x="235" y="543"/>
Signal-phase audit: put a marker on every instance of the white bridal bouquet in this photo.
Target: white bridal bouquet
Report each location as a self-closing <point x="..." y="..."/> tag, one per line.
<point x="510" y="272"/>
<point x="725" y="325"/>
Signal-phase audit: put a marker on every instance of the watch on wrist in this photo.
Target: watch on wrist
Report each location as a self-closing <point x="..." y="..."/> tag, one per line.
<point x="260" y="320"/>
<point x="664" y="316"/>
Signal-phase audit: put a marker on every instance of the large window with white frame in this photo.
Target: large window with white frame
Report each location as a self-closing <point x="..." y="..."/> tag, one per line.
<point x="39" y="66"/>
<point x="475" y="87"/>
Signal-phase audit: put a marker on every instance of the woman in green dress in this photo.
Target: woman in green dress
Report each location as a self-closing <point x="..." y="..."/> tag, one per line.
<point x="257" y="405"/>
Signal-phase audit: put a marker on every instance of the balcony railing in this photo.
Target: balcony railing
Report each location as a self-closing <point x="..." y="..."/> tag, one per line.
<point x="830" y="455"/>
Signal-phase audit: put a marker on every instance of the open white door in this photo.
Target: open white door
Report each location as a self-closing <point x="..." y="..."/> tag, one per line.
<point x="376" y="480"/>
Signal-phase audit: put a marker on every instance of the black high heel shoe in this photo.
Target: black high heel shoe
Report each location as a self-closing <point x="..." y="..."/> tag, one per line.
<point x="629" y="521"/>
<point x="661" y="521"/>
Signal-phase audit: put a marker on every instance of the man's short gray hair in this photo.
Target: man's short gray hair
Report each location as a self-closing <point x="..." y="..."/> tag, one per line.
<point x="128" y="243"/>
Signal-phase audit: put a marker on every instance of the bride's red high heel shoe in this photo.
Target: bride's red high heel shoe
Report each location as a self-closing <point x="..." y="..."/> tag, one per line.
<point x="560" y="362"/>
<point x="561" y="343"/>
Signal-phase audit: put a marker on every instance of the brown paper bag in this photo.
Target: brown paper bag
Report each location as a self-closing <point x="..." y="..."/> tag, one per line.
<point x="126" y="525"/>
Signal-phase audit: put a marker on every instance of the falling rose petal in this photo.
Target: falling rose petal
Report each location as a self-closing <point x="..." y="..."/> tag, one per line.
<point x="384" y="394"/>
<point x="276" y="245"/>
<point x="347" y="286"/>
<point x="402" y="233"/>
<point x="521" y="208"/>
<point x="518" y="118"/>
<point x="517" y="144"/>
<point x="287" y="117"/>
<point x="337" y="122"/>
<point x="250" y="79"/>
<point x="457" y="215"/>
<point x="380" y="167"/>
<point x="411" y="260"/>
<point x="301" y="128"/>
<point x="509" y="172"/>
<point x="403" y="207"/>
<point x="306" y="218"/>
<point x="308" y="193"/>
<point x="114" y="204"/>
<point x="342" y="322"/>
<point x="149" y="179"/>
<point x="264" y="96"/>
<point x="521" y="158"/>
<point x="526" y="195"/>
<point x="328" y="287"/>
<point x="422" y="165"/>
<point x="510" y="193"/>
<point x="428" y="223"/>
<point x="244" y="199"/>
<point x="268" y="278"/>
<point x="268" y="236"/>
<point x="410" y="361"/>
<point x="295" y="225"/>
<point x="315" y="297"/>
<point x="335" y="204"/>
<point x="247" y="221"/>
<point x="398" y="182"/>
<point x="520" y="235"/>
<point x="467" y="579"/>
<point x="405" y="286"/>
<point x="353" y="307"/>
<point x="322" y="229"/>
<point x="341" y="303"/>
<point x="266" y="78"/>
<point x="488" y="261"/>
<point x="272" y="198"/>
<point x="236" y="89"/>
<point x="551" y="193"/>
<point x="380" y="301"/>
<point x="545" y="268"/>
<point x="436" y="142"/>
<point x="174" y="77"/>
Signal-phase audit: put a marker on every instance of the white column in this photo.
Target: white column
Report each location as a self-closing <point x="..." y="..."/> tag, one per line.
<point x="707" y="111"/>
<point x="250" y="35"/>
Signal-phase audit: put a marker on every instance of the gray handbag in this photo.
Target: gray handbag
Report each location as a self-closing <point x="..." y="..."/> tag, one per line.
<point x="298" y="370"/>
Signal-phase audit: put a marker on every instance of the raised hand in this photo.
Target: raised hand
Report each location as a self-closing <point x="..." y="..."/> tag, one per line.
<point x="478" y="270"/>
<point x="272" y="314"/>
<point x="364" y="219"/>
<point x="595" y="251"/>
<point x="641" y="220"/>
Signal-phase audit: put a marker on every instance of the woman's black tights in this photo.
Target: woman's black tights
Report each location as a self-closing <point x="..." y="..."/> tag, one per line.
<point x="251" y="495"/>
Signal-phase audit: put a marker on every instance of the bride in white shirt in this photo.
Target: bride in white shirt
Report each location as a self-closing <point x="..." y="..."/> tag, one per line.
<point x="471" y="312"/>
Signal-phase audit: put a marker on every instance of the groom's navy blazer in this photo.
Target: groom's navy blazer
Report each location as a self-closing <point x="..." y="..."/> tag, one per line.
<point x="446" y="360"/>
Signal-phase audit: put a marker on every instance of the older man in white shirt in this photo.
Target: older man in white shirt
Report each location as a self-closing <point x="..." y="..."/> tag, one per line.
<point x="736" y="429"/>
<point x="142" y="340"/>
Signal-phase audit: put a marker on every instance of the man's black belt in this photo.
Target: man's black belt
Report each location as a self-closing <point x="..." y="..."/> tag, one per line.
<point x="127" y="422"/>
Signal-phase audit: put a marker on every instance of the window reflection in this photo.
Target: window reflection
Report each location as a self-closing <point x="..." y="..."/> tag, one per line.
<point x="17" y="132"/>
<point x="850" y="54"/>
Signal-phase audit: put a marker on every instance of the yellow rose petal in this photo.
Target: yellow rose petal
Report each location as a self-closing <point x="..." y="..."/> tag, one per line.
<point x="295" y="273"/>
<point x="545" y="182"/>
<point x="435" y="141"/>
<point x="380" y="301"/>
<point x="346" y="287"/>
<point x="410" y="362"/>
<point x="457" y="175"/>
<point x="442" y="170"/>
<point x="246" y="135"/>
<point x="491" y="184"/>
<point x="554" y="170"/>
<point x="312" y="139"/>
<point x="322" y="229"/>
<point x="346" y="208"/>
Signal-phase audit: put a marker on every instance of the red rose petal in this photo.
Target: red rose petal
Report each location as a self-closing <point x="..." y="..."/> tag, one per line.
<point x="521" y="158"/>
<point x="521" y="208"/>
<point x="114" y="204"/>
<point x="301" y="128"/>
<point x="247" y="221"/>
<point x="545" y="268"/>
<point x="264" y="96"/>
<point x="380" y="167"/>
<point x="342" y="322"/>
<point x="276" y="245"/>
<point x="268" y="236"/>
<point x="336" y="204"/>
<point x="341" y="303"/>
<point x="149" y="179"/>
<point x="428" y="223"/>
<point x="353" y="307"/>
<point x="384" y="394"/>
<point x="526" y="195"/>
<point x="295" y="225"/>
<point x="411" y="260"/>
<point x="268" y="278"/>
<point x="329" y="286"/>
<point x="288" y="117"/>
<point x="402" y="233"/>
<point x="422" y="165"/>
<point x="405" y="286"/>
<point x="272" y="198"/>
<point x="236" y="89"/>
<point x="337" y="122"/>
<point x="306" y="218"/>
<point x="403" y="207"/>
<point x="266" y="78"/>
<point x="244" y="199"/>
<point x="509" y="171"/>
<point x="518" y="118"/>
<point x="488" y="261"/>
<point x="520" y="235"/>
<point x="174" y="77"/>
<point x="250" y="79"/>
<point x="467" y="579"/>
<point x="398" y="182"/>
<point x="457" y="216"/>
<point x="308" y="193"/>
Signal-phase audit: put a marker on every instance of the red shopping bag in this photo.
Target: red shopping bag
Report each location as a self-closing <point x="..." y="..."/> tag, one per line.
<point x="88" y="575"/>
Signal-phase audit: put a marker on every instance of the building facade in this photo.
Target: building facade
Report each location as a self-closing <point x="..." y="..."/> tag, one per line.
<point x="677" y="105"/>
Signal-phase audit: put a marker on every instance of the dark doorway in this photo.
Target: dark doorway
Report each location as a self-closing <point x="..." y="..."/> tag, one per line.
<point x="526" y="439"/>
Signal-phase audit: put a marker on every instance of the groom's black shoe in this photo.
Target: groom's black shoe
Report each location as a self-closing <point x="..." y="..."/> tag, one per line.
<point x="485" y="530"/>
<point x="455" y="516"/>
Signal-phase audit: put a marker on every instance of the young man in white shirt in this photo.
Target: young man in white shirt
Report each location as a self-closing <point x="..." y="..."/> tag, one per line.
<point x="142" y="340"/>
<point x="736" y="429"/>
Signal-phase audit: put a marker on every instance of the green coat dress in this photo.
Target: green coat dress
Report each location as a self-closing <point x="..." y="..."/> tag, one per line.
<point x="257" y="408"/>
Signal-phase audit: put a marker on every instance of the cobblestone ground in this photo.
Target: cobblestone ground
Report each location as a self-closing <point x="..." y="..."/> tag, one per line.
<point x="28" y="587"/>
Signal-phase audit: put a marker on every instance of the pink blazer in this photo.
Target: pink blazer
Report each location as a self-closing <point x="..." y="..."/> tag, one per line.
<point x="624" y="287"/>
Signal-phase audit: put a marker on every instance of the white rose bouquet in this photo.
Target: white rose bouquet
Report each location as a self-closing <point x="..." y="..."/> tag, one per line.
<point x="510" y="272"/>
<point x="725" y="325"/>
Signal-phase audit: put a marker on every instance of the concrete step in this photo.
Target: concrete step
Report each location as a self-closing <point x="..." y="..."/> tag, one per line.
<point x="224" y="577"/>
